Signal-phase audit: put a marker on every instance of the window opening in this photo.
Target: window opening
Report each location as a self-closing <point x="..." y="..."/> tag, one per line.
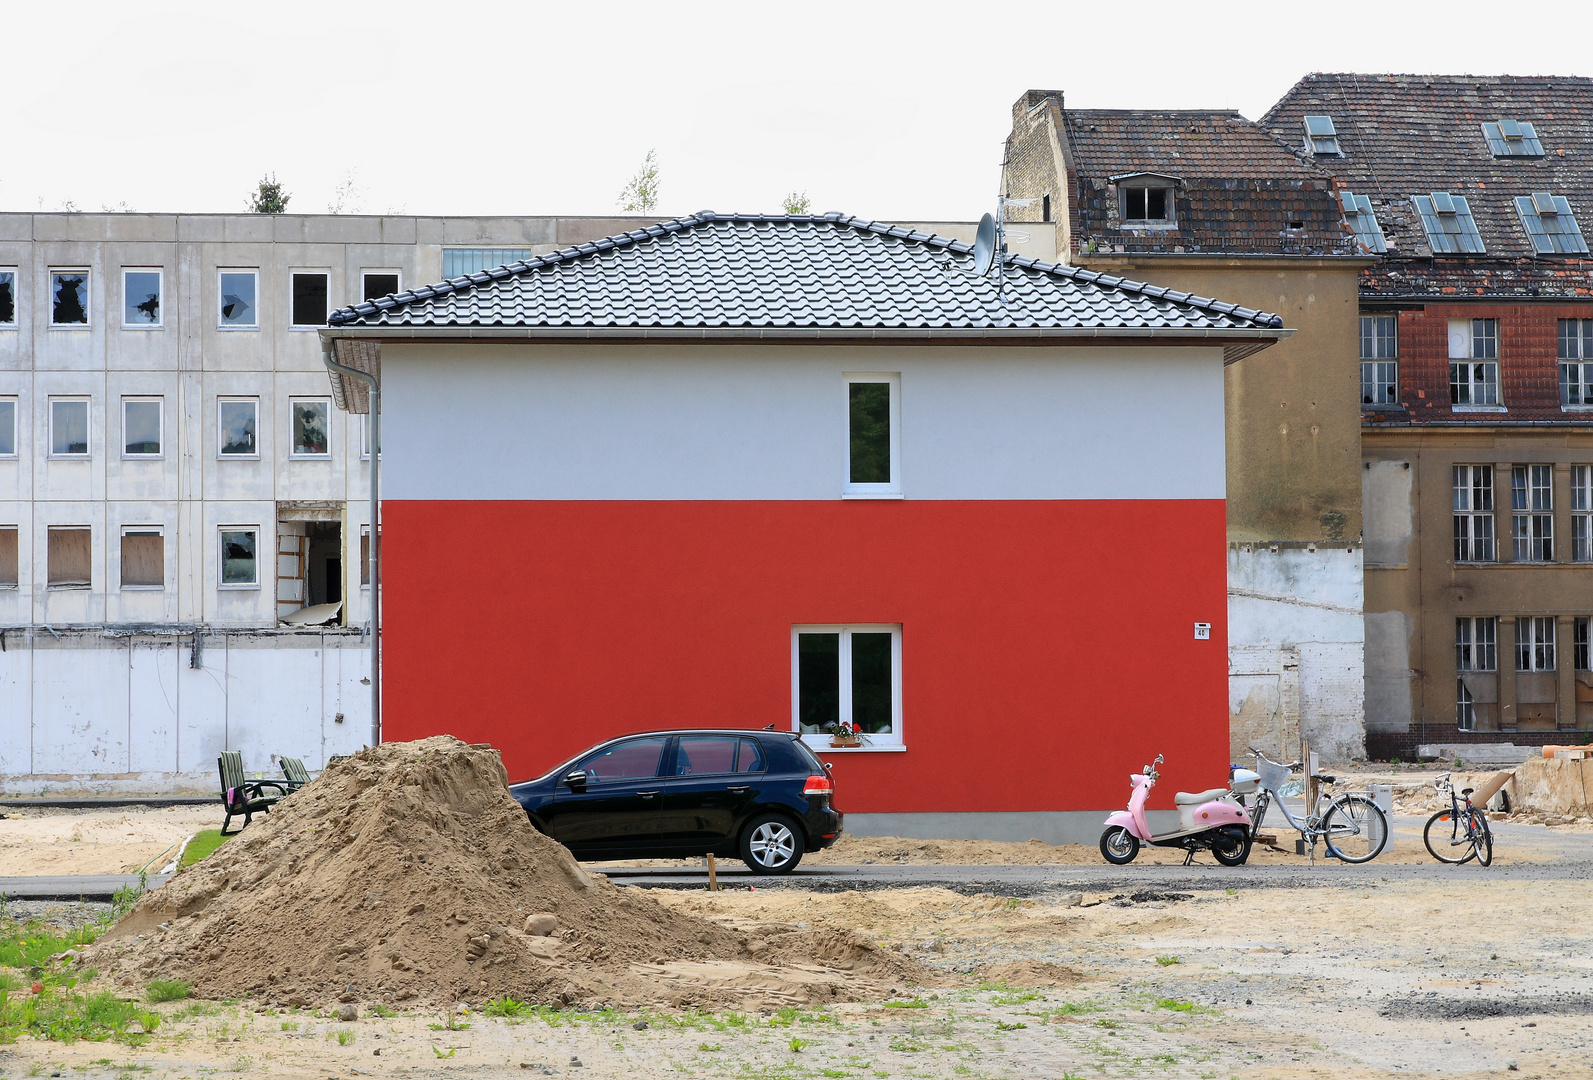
<point x="1379" y="366"/>
<point x="1576" y="361"/>
<point x="1148" y="204"/>
<point x="309" y="299"/>
<point x="1582" y="513"/>
<point x="1550" y="224"/>
<point x="238" y="309"/>
<point x="1473" y="509"/>
<point x="8" y="297"/>
<point x="1045" y="207"/>
<point x="9" y="563"/>
<point x="141" y="427"/>
<point x="365" y="436"/>
<point x="141" y="298"/>
<point x="70" y="300"/>
<point x="323" y="562"/>
<point x="68" y="557"/>
<point x="1511" y="138"/>
<point x="1475" y="382"/>
<point x="1321" y="137"/>
<point x="69" y="427"/>
<point x="1532" y="512"/>
<point x="874" y="443"/>
<point x="373" y="286"/>
<point x="365" y="554"/>
<point x="1448" y="223"/>
<point x="634" y="759"/>
<point x="457" y="262"/>
<point x="311" y="422"/>
<point x="239" y="421"/>
<point x="1535" y="643"/>
<point x="1362" y="221"/>
<point x="1582" y="653"/>
<point x="239" y="550"/>
<point x="848" y="675"/>
<point x="143" y="558"/>
<point x="8" y="427"/>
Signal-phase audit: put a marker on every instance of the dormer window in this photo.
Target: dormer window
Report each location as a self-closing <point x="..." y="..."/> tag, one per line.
<point x="1508" y="138"/>
<point x="1362" y="222"/>
<point x="1146" y="200"/>
<point x="1447" y="220"/>
<point x="1550" y="224"/>
<point x="1321" y="138"/>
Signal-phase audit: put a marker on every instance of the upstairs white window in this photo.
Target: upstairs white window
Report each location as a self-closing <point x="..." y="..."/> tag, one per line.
<point x="141" y="295"/>
<point x="69" y="298"/>
<point x="237" y="305"/>
<point x="309" y="298"/>
<point x="8" y="427"/>
<point x="1379" y="360"/>
<point x="378" y="283"/>
<point x="1321" y="137"/>
<point x="1581" y="513"/>
<point x="69" y="427"/>
<point x="1532" y="512"/>
<point x="141" y="426"/>
<point x="238" y="421"/>
<point x="874" y="446"/>
<point x="1535" y="643"/>
<point x="1576" y="362"/>
<point x="1511" y="138"/>
<point x="1473" y="363"/>
<point x="311" y="423"/>
<point x="8" y="298"/>
<point x="847" y="677"/>
<point x="1363" y="223"/>
<point x="1147" y="202"/>
<point x="1447" y="220"/>
<point x="143" y="557"/>
<point x="1473" y="508"/>
<point x="1550" y="224"/>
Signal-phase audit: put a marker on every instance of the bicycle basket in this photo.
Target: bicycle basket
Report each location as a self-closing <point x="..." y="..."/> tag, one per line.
<point x="1273" y="776"/>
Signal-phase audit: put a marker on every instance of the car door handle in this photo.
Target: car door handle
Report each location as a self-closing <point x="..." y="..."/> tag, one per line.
<point x="647" y="794"/>
<point x="739" y="788"/>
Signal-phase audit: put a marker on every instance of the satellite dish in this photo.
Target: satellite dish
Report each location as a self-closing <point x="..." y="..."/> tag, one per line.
<point x="985" y="245"/>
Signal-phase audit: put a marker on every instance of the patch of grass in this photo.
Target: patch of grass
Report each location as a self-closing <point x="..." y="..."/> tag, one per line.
<point x="383" y="1011"/>
<point x="68" y="1017"/>
<point x="798" y="1045"/>
<point x="913" y="1003"/>
<point x="344" y="1038"/>
<point x="198" y="1008"/>
<point x="1072" y="1008"/>
<point x="709" y="1048"/>
<point x="1168" y="961"/>
<point x="168" y="990"/>
<point x="30" y="944"/>
<point x="1176" y="1005"/>
<point x="1018" y="998"/>
<point x="504" y="1006"/>
<point x="201" y="846"/>
<point x="902" y="1044"/>
<point x="290" y="1025"/>
<point x="1002" y="1025"/>
<point x="440" y="1054"/>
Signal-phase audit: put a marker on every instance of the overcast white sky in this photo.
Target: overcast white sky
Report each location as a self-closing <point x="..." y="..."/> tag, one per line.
<point x="893" y="111"/>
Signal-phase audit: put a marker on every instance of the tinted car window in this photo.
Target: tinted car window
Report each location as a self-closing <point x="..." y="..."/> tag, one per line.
<point x="751" y="757"/>
<point x="785" y="756"/>
<point x="702" y="755"/>
<point x="634" y="760"/>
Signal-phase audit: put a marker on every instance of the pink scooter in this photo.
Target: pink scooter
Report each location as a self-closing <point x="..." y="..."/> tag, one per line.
<point x="1205" y="820"/>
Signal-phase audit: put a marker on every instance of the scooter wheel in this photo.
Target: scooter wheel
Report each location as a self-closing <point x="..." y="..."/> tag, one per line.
<point x="1231" y="848"/>
<point x="1119" y="846"/>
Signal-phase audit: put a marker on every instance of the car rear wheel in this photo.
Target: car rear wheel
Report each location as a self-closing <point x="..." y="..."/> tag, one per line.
<point x="771" y="844"/>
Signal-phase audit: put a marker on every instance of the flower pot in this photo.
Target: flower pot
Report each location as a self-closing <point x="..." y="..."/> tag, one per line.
<point x="840" y="742"/>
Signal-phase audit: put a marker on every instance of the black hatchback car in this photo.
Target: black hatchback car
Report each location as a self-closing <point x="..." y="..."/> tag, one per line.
<point x="761" y="796"/>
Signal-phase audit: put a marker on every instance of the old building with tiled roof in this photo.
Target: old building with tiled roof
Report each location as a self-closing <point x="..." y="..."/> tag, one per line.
<point x="1476" y="348"/>
<point x="1212" y="203"/>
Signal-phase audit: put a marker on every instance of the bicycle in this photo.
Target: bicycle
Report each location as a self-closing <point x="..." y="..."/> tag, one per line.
<point x="1352" y="826"/>
<point x="1469" y="836"/>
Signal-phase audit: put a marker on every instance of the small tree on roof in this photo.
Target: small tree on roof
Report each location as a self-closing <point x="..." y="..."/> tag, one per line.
<point x="271" y="198"/>
<point x="797" y="202"/>
<point x="640" y="193"/>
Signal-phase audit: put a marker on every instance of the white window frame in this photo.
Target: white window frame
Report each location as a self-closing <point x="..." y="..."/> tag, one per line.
<point x="1466" y="492"/>
<point x="88" y="298"/>
<point x="310" y="271"/>
<point x="88" y="426"/>
<point x="161" y="402"/>
<point x="1169" y="218"/>
<point x="122" y="533"/>
<point x="293" y="403"/>
<point x="371" y="271"/>
<point x="1480" y="372"/>
<point x="1574" y="348"/>
<point x="365" y="558"/>
<point x="221" y="559"/>
<point x="16" y="532"/>
<point x="1532" y="522"/>
<point x="160" y="275"/>
<point x="16" y="425"/>
<point x="889" y="743"/>
<point x="1539" y="649"/>
<point x="223" y="272"/>
<point x="221" y="454"/>
<point x="1582" y="513"/>
<point x="893" y="489"/>
<point x="365" y="436"/>
<point x="16" y="298"/>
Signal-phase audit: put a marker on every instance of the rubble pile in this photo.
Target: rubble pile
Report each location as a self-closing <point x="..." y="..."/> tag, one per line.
<point x="407" y="873"/>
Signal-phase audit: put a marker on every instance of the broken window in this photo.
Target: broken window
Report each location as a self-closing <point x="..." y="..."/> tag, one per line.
<point x="1576" y="361"/>
<point x="1362" y="221"/>
<point x="311" y="419"/>
<point x="1447" y="220"/>
<point x="848" y="675"/>
<point x="8" y="297"/>
<point x="68" y="557"/>
<point x="141" y="426"/>
<point x="8" y="427"/>
<point x="70" y="299"/>
<point x="1473" y="508"/>
<point x="378" y="284"/>
<point x="8" y="557"/>
<point x="1550" y="224"/>
<point x="240" y="566"/>
<point x="873" y="439"/>
<point x="239" y="420"/>
<point x="238" y="310"/>
<point x="1147" y="204"/>
<point x="1510" y="138"/>
<point x="1535" y="643"/>
<point x="1581" y="513"/>
<point x="1475" y="651"/>
<point x="143" y="557"/>
<point x="141" y="298"/>
<point x="1580" y="644"/>
<point x="309" y="299"/>
<point x="1532" y="512"/>
<point x="1321" y="137"/>
<point x="1475" y="382"/>
<point x="69" y="427"/>
<point x="1379" y="368"/>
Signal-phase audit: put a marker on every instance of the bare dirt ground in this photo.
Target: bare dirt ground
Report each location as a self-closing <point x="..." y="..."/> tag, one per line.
<point x="120" y="840"/>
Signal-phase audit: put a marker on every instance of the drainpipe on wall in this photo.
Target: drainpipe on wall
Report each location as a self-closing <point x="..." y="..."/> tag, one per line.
<point x="327" y="354"/>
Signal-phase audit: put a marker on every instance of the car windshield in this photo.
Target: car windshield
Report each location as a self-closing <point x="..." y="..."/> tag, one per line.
<point x="636" y="759"/>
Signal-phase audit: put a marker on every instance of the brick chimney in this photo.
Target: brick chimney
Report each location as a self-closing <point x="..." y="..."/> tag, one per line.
<point x="1030" y="99"/>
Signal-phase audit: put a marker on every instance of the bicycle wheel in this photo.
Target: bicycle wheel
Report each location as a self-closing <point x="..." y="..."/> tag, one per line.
<point x="1355" y="829"/>
<point x="1481" y="837"/>
<point x="1446" y="839"/>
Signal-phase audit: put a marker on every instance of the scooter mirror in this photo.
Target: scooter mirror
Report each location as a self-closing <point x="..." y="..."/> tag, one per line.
<point x="1158" y="759"/>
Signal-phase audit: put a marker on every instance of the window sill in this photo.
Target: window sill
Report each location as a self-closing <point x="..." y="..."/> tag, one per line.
<point x="143" y="588"/>
<point x="872" y="495"/>
<point x="238" y="588"/>
<point x="1577" y="408"/>
<point x="310" y="457"/>
<point x="229" y="329"/>
<point x="68" y="588"/>
<point x="319" y="326"/>
<point x="69" y="457"/>
<point x="144" y="326"/>
<point x="1478" y="408"/>
<point x="143" y="457"/>
<point x="237" y="457"/>
<point x="71" y="326"/>
<point x="826" y="748"/>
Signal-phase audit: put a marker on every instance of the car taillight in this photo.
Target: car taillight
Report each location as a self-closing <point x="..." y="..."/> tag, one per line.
<point x="819" y="785"/>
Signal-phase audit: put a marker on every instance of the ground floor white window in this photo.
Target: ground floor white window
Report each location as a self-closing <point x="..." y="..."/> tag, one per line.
<point x="240" y="557"/>
<point x="847" y="676"/>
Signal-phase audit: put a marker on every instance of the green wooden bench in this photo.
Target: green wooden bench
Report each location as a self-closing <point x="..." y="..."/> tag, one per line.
<point x="241" y="796"/>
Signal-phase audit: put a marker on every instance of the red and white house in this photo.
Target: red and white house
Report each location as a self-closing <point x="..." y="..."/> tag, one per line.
<point x="738" y="470"/>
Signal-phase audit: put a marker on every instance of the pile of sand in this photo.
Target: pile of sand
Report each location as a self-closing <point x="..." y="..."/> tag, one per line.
<point x="408" y="873"/>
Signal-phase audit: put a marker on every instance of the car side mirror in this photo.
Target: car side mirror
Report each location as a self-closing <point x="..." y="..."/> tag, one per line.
<point x="575" y="779"/>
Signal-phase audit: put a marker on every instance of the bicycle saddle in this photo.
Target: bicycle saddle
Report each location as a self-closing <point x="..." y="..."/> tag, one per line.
<point x="1325" y="778"/>
<point x="1467" y="790"/>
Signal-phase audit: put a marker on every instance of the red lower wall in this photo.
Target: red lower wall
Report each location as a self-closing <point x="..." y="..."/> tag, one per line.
<point x="1047" y="647"/>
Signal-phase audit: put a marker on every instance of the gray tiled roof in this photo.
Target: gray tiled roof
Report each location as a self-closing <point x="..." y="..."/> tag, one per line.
<point x="759" y="272"/>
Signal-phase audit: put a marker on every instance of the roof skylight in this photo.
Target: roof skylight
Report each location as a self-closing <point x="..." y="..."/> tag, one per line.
<point x="1359" y="217"/>
<point x="1451" y="230"/>
<point x="1320" y="135"/>
<point x="1550" y="224"/>
<point x="1510" y="138"/>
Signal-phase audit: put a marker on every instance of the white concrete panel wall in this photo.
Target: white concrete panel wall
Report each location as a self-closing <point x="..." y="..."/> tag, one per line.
<point x="770" y="422"/>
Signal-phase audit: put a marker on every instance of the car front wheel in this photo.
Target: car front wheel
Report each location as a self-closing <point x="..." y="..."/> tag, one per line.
<point x="771" y="844"/>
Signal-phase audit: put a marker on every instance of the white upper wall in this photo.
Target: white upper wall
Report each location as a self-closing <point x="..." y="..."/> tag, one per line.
<point x="516" y="421"/>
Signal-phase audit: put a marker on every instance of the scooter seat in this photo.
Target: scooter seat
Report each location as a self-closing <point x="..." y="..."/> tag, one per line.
<point x="1184" y="798"/>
